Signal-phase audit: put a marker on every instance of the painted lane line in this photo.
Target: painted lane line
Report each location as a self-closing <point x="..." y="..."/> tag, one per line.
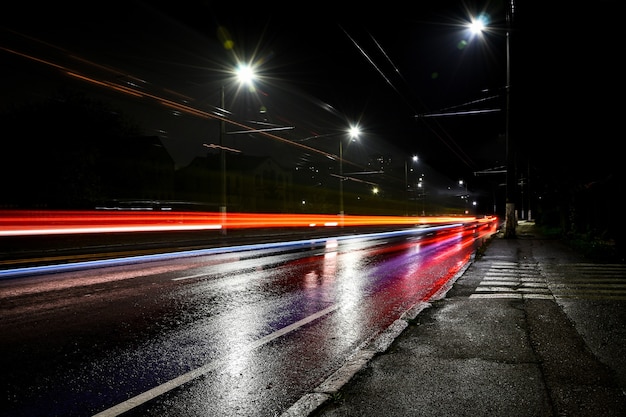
<point x="144" y="397"/>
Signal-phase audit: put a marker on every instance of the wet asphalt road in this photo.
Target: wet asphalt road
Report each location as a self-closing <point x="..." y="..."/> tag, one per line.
<point x="243" y="333"/>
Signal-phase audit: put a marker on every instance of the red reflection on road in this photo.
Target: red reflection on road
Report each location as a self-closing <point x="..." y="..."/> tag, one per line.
<point x="424" y="270"/>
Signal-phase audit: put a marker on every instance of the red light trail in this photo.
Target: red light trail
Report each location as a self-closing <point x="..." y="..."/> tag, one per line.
<point x="49" y="222"/>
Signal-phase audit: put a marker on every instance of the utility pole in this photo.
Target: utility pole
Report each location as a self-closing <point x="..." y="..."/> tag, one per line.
<point x="223" y="168"/>
<point x="510" y="222"/>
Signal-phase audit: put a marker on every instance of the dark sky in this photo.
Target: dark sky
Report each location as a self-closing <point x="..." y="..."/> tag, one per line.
<point x="380" y="66"/>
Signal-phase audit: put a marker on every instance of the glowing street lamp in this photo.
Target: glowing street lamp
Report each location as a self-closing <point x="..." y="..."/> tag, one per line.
<point x="245" y="75"/>
<point x="477" y="27"/>
<point x="353" y="134"/>
<point x="464" y="197"/>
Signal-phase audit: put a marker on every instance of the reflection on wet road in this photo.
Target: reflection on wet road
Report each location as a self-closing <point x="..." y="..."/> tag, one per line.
<point x="243" y="332"/>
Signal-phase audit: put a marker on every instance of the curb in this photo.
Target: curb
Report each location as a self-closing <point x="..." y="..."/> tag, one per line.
<point x="324" y="392"/>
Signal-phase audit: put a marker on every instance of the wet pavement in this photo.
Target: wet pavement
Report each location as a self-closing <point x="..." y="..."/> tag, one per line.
<point x="529" y="328"/>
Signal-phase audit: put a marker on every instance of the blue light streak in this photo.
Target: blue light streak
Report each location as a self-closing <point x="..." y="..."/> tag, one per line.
<point x="53" y="269"/>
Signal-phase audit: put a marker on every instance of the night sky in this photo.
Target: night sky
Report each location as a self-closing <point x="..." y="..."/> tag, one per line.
<point x="321" y="68"/>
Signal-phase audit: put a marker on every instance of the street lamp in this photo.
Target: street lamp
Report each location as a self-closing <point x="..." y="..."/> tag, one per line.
<point x="353" y="133"/>
<point x="465" y="196"/>
<point x="245" y="75"/>
<point x="477" y="26"/>
<point x="406" y="185"/>
<point x="422" y="184"/>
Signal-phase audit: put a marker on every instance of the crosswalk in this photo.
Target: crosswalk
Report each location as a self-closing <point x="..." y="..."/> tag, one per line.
<point x="528" y="280"/>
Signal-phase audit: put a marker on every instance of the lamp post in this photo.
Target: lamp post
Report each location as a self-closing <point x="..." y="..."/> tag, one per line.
<point x="223" y="201"/>
<point x="353" y="134"/>
<point x="510" y="222"/>
<point x="465" y="196"/>
<point x="245" y="75"/>
<point x="406" y="185"/>
<point x="341" y="180"/>
<point x="421" y="184"/>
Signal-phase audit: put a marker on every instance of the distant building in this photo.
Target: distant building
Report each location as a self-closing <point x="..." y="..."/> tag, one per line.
<point x="138" y="168"/>
<point x="253" y="184"/>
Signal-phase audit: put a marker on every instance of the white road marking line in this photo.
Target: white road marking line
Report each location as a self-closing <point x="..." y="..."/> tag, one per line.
<point x="144" y="397"/>
<point x="514" y="295"/>
<point x="521" y="281"/>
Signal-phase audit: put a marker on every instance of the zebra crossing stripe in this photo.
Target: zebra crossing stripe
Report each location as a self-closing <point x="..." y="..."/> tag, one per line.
<point x="514" y="296"/>
<point x="533" y="281"/>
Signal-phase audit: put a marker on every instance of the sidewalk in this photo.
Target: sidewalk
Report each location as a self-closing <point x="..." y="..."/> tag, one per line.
<point x="529" y="329"/>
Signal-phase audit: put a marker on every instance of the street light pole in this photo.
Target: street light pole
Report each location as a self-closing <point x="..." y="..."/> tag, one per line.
<point x="465" y="196"/>
<point x="510" y="221"/>
<point x="422" y="184"/>
<point x="406" y="186"/>
<point x="353" y="133"/>
<point x="406" y="189"/>
<point x="223" y="168"/>
<point x="245" y="75"/>
<point x="341" y="180"/>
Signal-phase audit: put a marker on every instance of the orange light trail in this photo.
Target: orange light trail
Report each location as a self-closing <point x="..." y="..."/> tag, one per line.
<point x="49" y="222"/>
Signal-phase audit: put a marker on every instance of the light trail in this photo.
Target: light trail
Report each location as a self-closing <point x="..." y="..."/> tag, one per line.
<point x="126" y="260"/>
<point x="49" y="222"/>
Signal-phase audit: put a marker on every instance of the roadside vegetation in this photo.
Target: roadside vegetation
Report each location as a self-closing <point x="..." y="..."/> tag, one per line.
<point x="593" y="246"/>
